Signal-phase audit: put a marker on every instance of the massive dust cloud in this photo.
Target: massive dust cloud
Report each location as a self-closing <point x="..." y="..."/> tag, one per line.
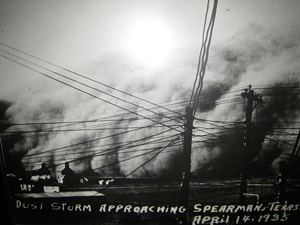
<point x="256" y="55"/>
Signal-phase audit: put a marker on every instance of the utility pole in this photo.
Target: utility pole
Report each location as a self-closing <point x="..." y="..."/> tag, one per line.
<point x="251" y="98"/>
<point x="186" y="174"/>
<point x="282" y="176"/>
<point x="5" y="184"/>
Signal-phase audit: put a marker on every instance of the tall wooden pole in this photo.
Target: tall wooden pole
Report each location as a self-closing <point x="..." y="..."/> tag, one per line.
<point x="186" y="175"/>
<point x="251" y="98"/>
<point x="7" y="193"/>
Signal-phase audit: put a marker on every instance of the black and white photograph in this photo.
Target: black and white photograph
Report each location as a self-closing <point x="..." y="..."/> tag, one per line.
<point x="160" y="112"/>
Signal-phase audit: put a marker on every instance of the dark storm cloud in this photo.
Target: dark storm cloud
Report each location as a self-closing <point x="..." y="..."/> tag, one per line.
<point x="250" y="57"/>
<point x="4" y="105"/>
<point x="264" y="58"/>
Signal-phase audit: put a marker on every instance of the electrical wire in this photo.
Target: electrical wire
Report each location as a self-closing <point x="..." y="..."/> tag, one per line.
<point x="152" y="157"/>
<point x="85" y="85"/>
<point x="203" y="57"/>
<point x="85" y="77"/>
<point x="90" y="141"/>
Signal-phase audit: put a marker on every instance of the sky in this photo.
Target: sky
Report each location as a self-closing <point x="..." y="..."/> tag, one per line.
<point x="146" y="48"/>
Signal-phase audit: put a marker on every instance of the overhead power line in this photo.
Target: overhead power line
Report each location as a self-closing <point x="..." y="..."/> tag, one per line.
<point x="109" y="148"/>
<point x="90" y="141"/>
<point x="119" y="149"/>
<point x="87" y="93"/>
<point x="42" y="129"/>
<point x="81" y="83"/>
<point x="120" y="161"/>
<point x="152" y="157"/>
<point x="88" y="78"/>
<point x="203" y="57"/>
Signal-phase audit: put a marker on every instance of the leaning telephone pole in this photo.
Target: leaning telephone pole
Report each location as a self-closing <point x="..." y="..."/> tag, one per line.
<point x="186" y="174"/>
<point x="251" y="99"/>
